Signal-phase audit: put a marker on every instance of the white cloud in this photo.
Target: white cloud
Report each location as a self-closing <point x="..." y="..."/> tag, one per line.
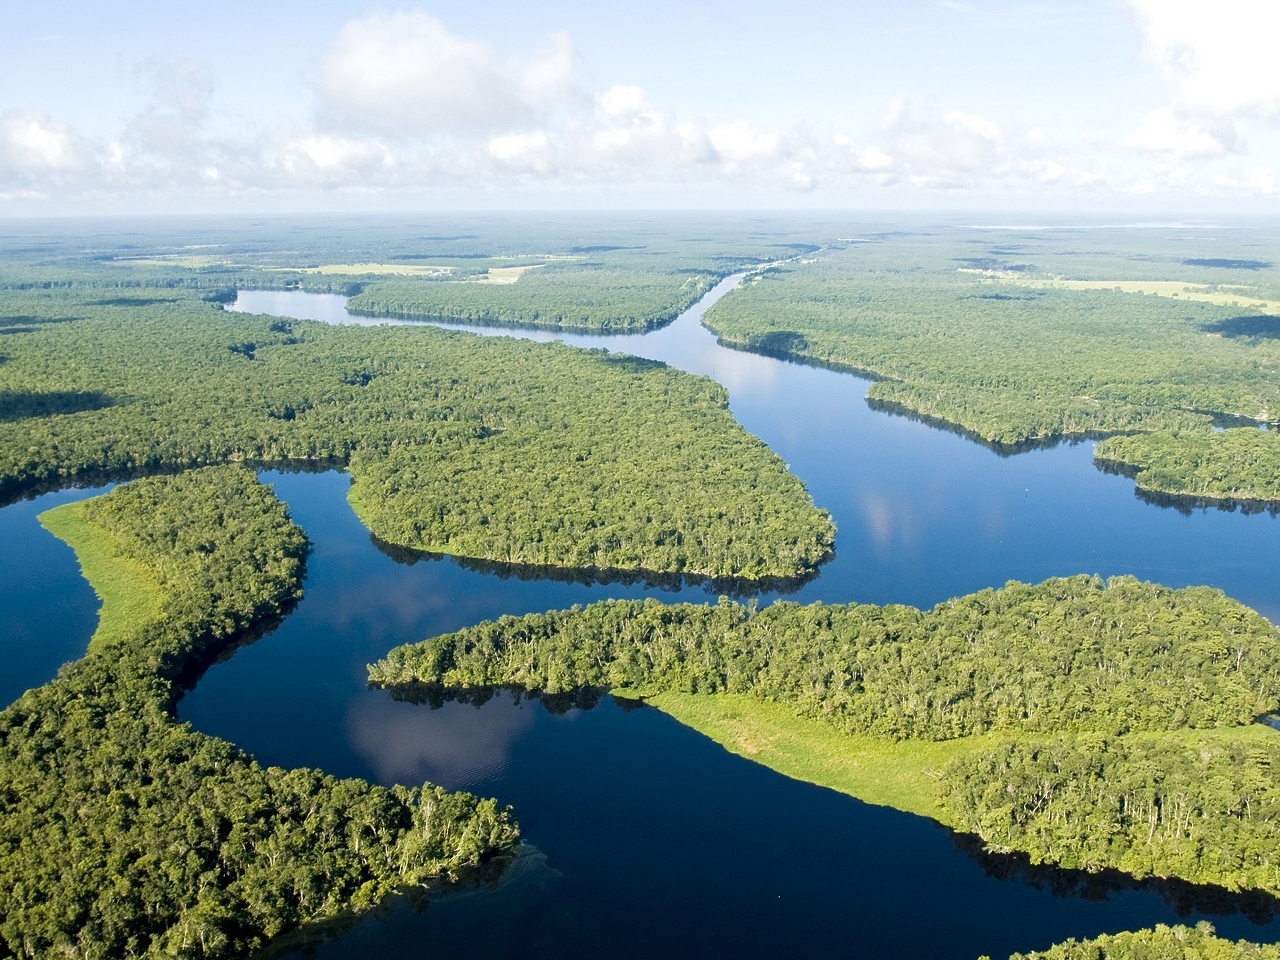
<point x="949" y="149"/>
<point x="404" y="74"/>
<point x="1170" y="131"/>
<point x="527" y="152"/>
<point x="1221" y="55"/>
<point x="628" y="132"/>
<point x="738" y="144"/>
<point x="405" y="105"/>
<point x="1219" y="61"/>
<point x="327" y="160"/>
<point x="35" y="146"/>
<point x="1257" y="181"/>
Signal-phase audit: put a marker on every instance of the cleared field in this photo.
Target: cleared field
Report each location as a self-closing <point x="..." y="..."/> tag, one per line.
<point x="1203" y="292"/>
<point x="381" y="269"/>
<point x="503" y="274"/>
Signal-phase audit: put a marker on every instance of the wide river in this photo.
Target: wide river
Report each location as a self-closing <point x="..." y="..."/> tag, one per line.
<point x="644" y="838"/>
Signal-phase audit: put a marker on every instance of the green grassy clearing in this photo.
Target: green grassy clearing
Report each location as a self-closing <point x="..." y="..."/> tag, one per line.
<point x="129" y="592"/>
<point x="899" y="774"/>
<point x="380" y="269"/>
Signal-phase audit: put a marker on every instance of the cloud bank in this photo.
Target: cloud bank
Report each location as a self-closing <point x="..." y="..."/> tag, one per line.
<point x="401" y="104"/>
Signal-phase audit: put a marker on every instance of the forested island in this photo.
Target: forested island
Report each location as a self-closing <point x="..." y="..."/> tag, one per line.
<point x="126" y="833"/>
<point x="1086" y="723"/>
<point x="565" y="296"/>
<point x="508" y="451"/>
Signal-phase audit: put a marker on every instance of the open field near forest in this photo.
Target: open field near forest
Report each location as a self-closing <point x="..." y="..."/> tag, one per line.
<point x="1204" y="292"/>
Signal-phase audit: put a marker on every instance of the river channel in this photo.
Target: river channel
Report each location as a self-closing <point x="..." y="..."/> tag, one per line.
<point x="644" y="838"/>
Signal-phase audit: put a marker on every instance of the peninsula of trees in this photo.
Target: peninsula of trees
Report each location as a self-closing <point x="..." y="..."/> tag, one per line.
<point x="1087" y="723"/>
<point x="496" y="449"/>
<point x="126" y="833"/>
<point x="1239" y="466"/>
<point x="564" y="296"/>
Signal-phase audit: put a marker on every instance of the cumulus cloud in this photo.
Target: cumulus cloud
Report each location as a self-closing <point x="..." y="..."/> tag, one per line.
<point x="1219" y="60"/>
<point x="1184" y="135"/>
<point x="35" y="147"/>
<point x="405" y="74"/>
<point x="531" y="152"/>
<point x="626" y="130"/>
<point x="324" y="160"/>
<point x="928" y="146"/>
<point x="1220" y="55"/>
<point x="404" y="104"/>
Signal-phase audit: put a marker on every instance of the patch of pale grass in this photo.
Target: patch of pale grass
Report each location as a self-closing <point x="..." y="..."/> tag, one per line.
<point x="1202" y="292"/>
<point x="502" y="274"/>
<point x="381" y="269"/>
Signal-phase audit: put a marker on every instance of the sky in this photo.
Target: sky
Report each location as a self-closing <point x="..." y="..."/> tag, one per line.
<point x="1160" y="106"/>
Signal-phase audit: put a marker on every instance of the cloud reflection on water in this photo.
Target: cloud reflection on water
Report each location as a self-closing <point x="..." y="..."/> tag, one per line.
<point x="455" y="746"/>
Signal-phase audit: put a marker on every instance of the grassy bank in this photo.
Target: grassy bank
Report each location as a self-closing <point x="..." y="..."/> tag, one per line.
<point x="131" y="595"/>
<point x="888" y="773"/>
<point x="902" y="774"/>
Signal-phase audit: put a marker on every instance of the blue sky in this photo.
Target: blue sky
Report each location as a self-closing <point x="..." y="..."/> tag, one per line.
<point x="1166" y="106"/>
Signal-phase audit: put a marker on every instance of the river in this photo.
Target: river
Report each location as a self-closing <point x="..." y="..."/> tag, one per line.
<point x="644" y="837"/>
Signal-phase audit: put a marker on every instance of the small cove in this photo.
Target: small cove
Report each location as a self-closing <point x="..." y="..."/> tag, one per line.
<point x="648" y="837"/>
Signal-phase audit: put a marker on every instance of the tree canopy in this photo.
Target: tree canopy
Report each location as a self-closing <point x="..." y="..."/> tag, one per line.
<point x="126" y="833"/>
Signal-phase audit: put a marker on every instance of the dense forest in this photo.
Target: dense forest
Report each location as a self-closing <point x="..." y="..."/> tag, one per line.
<point x="125" y="833"/>
<point x="503" y="450"/>
<point x="570" y="296"/>
<point x="1234" y="466"/>
<point x="1102" y="663"/>
<point x="985" y="336"/>
<point x="1160" y="943"/>
<point x="1090" y="655"/>
<point x="1006" y="362"/>
<point x="1206" y="812"/>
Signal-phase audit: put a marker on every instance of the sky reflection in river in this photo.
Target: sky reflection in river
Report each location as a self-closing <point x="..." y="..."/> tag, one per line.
<point x="450" y="745"/>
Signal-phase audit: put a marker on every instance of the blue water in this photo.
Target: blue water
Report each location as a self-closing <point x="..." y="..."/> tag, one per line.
<point x="645" y="837"/>
<point x="47" y="612"/>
